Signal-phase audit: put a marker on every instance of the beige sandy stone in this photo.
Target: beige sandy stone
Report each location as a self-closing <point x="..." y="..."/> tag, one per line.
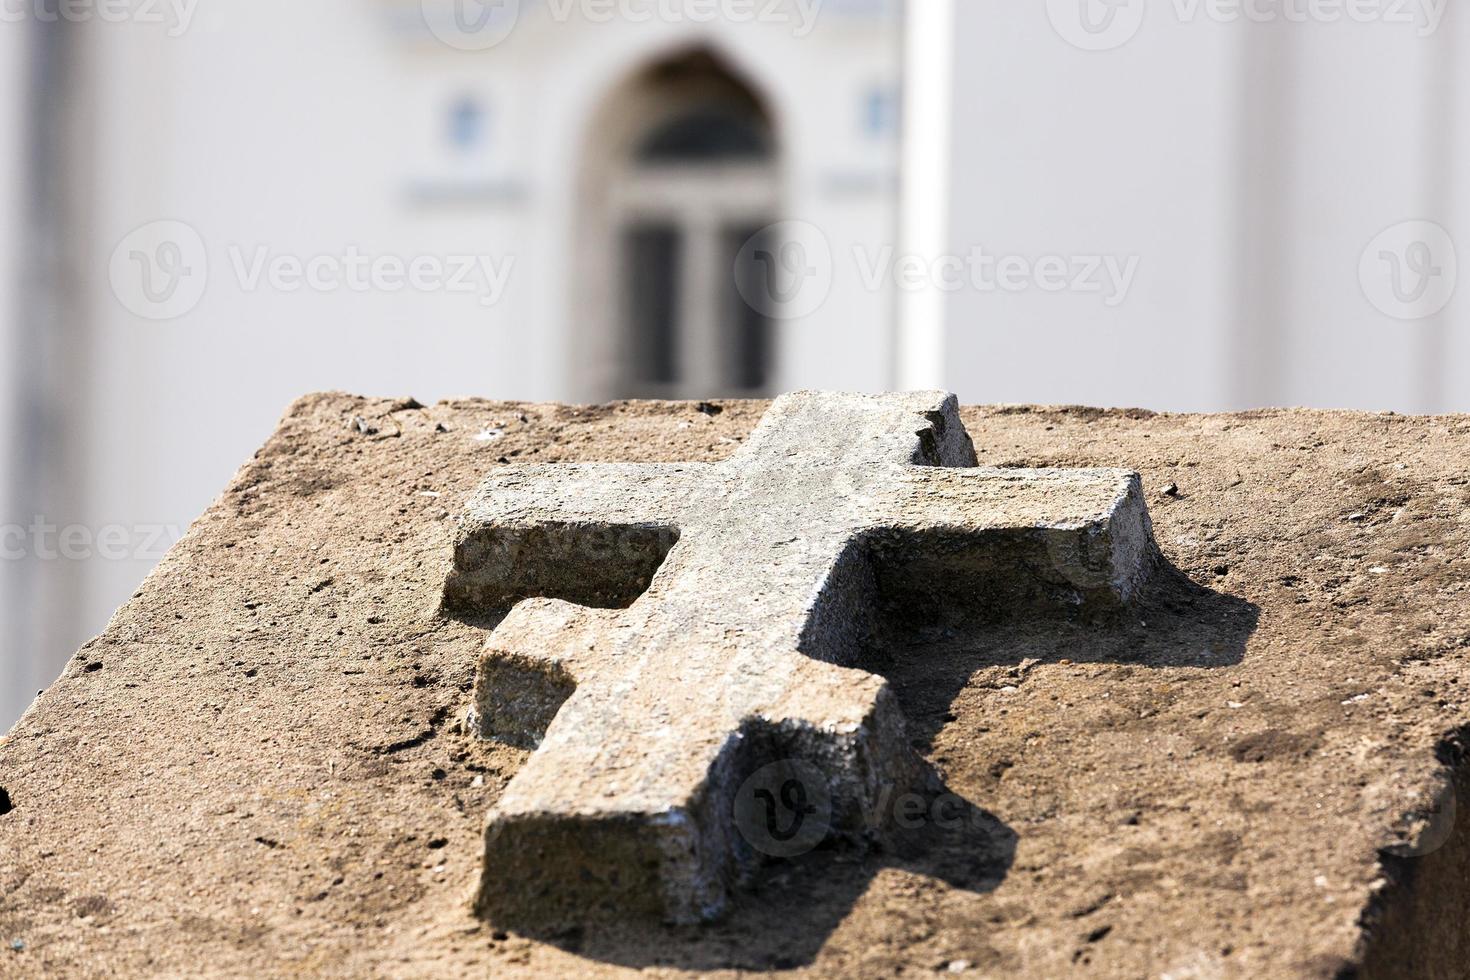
<point x="1257" y="769"/>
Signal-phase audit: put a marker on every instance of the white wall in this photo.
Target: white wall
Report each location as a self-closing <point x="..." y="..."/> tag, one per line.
<point x="1447" y="351"/>
<point x="1246" y="166"/>
<point x="15" y="674"/>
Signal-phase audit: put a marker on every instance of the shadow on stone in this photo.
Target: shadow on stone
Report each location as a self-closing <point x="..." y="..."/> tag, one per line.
<point x="784" y="914"/>
<point x="1173" y="622"/>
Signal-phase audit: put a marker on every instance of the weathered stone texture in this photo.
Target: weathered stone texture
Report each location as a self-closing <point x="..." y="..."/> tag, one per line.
<point x="1248" y="770"/>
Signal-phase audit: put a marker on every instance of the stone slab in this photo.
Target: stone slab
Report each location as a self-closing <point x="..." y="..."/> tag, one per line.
<point x="261" y="768"/>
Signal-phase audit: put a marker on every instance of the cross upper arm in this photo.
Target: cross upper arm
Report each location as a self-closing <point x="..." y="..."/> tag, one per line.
<point x="968" y="533"/>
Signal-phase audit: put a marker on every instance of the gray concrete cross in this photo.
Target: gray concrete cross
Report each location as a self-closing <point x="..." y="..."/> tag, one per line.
<point x="677" y="627"/>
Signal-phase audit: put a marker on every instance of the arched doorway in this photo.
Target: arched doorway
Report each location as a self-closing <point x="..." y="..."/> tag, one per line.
<point x="681" y="171"/>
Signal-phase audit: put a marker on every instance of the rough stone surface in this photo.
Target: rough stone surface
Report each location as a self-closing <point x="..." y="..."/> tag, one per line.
<point x="753" y="588"/>
<point x="258" y="769"/>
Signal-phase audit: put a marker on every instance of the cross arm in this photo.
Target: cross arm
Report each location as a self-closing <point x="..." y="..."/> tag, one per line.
<point x="1006" y="536"/>
<point x="533" y="662"/>
<point x="592" y="534"/>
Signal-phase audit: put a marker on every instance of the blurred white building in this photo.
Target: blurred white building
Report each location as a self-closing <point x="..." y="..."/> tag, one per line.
<point x="536" y="200"/>
<point x="1286" y="178"/>
<point x="207" y="211"/>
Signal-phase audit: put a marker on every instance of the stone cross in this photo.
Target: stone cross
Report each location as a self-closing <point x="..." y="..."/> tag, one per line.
<point x="678" y="627"/>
